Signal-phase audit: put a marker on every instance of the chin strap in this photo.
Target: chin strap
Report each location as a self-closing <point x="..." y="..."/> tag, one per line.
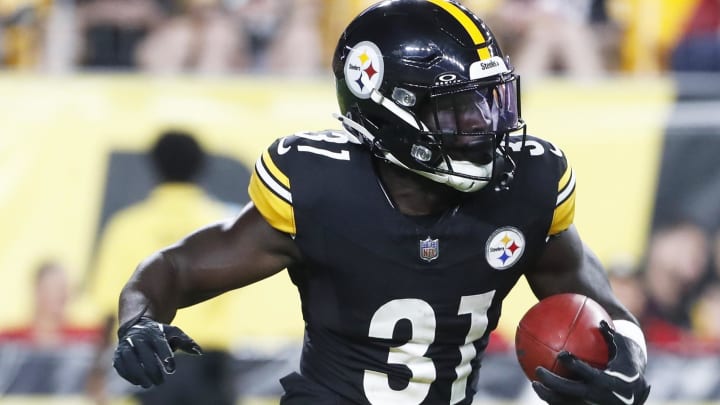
<point x="504" y="172"/>
<point x="351" y="126"/>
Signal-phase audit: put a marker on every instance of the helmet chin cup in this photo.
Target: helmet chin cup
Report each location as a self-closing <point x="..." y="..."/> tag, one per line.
<point x="460" y="183"/>
<point x="467" y="183"/>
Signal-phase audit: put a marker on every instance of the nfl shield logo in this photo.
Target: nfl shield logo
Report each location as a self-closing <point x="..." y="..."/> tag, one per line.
<point x="429" y="249"/>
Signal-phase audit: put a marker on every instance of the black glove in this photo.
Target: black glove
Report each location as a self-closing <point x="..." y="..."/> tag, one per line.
<point x="622" y="383"/>
<point x="145" y="350"/>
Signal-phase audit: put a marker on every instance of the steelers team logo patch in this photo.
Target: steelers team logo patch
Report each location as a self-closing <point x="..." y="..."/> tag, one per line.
<point x="504" y="247"/>
<point x="364" y="69"/>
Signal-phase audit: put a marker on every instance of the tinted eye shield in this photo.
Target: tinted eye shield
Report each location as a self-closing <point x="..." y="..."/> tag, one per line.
<point x="501" y="95"/>
<point x="469" y="85"/>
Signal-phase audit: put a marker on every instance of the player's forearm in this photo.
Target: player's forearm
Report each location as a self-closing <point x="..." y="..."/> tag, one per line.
<point x="152" y="291"/>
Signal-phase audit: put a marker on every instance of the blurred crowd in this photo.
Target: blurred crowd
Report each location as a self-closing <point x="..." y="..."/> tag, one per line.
<point x="577" y="38"/>
<point x="675" y="290"/>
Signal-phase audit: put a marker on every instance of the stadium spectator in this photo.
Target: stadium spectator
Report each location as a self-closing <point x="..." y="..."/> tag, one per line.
<point x="650" y="30"/>
<point x="203" y="38"/>
<point x="51" y="352"/>
<point x="626" y="284"/>
<point x="176" y="206"/>
<point x="715" y="255"/>
<point x="706" y="316"/>
<point x="283" y="35"/>
<point x="706" y="307"/>
<point x="549" y="37"/>
<point x="110" y="31"/>
<point x="698" y="50"/>
<point x="49" y="327"/>
<point x="677" y="260"/>
<point x="21" y="32"/>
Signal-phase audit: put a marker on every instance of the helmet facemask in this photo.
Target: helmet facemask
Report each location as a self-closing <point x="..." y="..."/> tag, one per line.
<point x="454" y="133"/>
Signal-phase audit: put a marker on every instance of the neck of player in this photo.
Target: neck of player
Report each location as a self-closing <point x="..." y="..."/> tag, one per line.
<point x="413" y="194"/>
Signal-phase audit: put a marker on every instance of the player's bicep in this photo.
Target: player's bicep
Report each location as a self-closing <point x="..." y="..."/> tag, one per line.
<point x="558" y="267"/>
<point x="569" y="266"/>
<point x="230" y="255"/>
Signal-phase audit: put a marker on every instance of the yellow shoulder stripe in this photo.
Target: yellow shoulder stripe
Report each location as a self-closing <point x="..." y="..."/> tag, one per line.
<point x="271" y="195"/>
<point x="564" y="216"/>
<point x="565" y="204"/>
<point x="564" y="179"/>
<point x="280" y="176"/>
<point x="472" y="29"/>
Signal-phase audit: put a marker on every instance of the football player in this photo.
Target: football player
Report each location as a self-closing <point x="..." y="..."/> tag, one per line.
<point x="403" y="232"/>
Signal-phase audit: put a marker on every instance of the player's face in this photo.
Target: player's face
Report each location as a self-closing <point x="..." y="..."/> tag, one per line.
<point x="465" y="121"/>
<point x="469" y="111"/>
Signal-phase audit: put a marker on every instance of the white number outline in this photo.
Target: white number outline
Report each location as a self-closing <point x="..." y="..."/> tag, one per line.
<point x="412" y="354"/>
<point x="324" y="136"/>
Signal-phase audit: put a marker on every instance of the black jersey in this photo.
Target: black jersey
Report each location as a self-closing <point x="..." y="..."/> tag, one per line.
<point x="398" y="309"/>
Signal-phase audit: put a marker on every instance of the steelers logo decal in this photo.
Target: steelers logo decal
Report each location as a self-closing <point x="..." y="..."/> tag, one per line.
<point x="504" y="247"/>
<point x="364" y="69"/>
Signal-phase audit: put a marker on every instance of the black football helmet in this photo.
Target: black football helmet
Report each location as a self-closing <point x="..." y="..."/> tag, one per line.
<point x="426" y="86"/>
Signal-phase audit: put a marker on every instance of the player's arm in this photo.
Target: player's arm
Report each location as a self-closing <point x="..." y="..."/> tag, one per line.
<point x="213" y="260"/>
<point x="568" y="265"/>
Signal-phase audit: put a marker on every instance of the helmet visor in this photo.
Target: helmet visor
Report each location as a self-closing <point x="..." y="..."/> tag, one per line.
<point x="473" y="108"/>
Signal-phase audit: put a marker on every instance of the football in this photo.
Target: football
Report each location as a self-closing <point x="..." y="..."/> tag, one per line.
<point x="563" y="322"/>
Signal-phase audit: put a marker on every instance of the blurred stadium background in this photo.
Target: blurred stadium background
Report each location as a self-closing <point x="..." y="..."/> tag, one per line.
<point x="628" y="88"/>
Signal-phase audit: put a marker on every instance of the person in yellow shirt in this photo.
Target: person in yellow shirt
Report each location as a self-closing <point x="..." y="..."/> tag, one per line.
<point x="175" y="206"/>
<point x="22" y="23"/>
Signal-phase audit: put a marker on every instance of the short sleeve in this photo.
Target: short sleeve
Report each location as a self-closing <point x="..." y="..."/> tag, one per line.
<point x="270" y="191"/>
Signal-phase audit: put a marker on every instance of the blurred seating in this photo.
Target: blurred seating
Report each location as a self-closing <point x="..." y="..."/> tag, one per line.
<point x="294" y="45"/>
<point x="110" y="31"/>
<point x="650" y="29"/>
<point x="698" y="50"/>
<point x="548" y="37"/>
<point x="579" y="38"/>
<point x="48" y="354"/>
<point x="48" y="327"/>
<point x="21" y="32"/>
<point x="202" y="38"/>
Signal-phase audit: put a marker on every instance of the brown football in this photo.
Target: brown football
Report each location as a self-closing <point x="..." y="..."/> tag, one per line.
<point x="563" y="322"/>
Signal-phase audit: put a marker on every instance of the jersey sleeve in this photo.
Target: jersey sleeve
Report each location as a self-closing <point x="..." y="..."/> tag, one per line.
<point x="270" y="191"/>
<point x="564" y="213"/>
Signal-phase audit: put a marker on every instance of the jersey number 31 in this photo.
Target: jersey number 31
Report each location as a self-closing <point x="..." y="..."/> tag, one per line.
<point x="412" y="354"/>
